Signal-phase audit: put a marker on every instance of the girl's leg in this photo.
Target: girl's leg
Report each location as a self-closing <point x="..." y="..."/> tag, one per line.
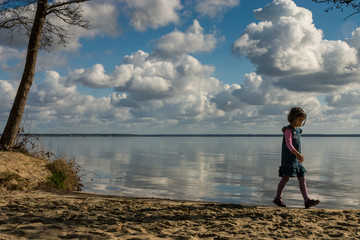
<point x="281" y="187"/>
<point x="303" y="188"/>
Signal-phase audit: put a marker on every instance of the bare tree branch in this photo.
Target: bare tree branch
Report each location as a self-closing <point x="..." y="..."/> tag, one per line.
<point x="70" y="15"/>
<point x="18" y="16"/>
<point x="341" y="4"/>
<point x="58" y="5"/>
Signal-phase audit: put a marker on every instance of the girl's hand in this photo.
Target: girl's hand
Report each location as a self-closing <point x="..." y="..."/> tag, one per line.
<point x="299" y="157"/>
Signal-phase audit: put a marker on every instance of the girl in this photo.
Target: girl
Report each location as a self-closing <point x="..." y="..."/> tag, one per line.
<point x="291" y="158"/>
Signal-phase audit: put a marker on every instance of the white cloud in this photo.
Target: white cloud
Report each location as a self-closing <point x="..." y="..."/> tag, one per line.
<point x="153" y="13"/>
<point x="226" y="101"/>
<point x="94" y="77"/>
<point x="51" y="90"/>
<point x="7" y="54"/>
<point x="155" y="88"/>
<point x="177" y="43"/>
<point x="102" y="19"/>
<point x="55" y="102"/>
<point x="259" y="92"/>
<point x="7" y="95"/>
<point x="346" y="98"/>
<point x="18" y="39"/>
<point x="213" y="8"/>
<point x="287" y="46"/>
<point x="143" y="76"/>
<point x="253" y="91"/>
<point x="285" y="41"/>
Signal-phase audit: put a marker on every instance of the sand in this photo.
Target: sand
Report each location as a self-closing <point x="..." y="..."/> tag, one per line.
<point x="52" y="214"/>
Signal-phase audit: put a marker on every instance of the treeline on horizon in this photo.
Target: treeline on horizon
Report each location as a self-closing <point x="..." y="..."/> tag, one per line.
<point x="174" y="135"/>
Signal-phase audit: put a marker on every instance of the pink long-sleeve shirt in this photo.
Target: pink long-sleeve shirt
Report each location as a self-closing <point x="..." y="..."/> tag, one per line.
<point x="288" y="140"/>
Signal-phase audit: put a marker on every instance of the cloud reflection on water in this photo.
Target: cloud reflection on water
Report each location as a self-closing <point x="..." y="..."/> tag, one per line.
<point x="224" y="169"/>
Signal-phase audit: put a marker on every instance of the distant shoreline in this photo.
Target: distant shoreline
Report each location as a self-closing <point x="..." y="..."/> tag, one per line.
<point x="176" y="135"/>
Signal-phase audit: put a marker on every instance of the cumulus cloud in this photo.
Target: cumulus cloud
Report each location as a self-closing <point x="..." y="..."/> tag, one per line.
<point x="225" y="100"/>
<point x="7" y="95"/>
<point x="347" y="98"/>
<point x="213" y="8"/>
<point x="51" y="90"/>
<point x="253" y="91"/>
<point x="285" y="41"/>
<point x="158" y="85"/>
<point x="286" y="45"/>
<point x="7" y="54"/>
<point x="143" y="76"/>
<point x="261" y="93"/>
<point x="54" y="101"/>
<point x="16" y="39"/>
<point x="153" y="13"/>
<point x="177" y="43"/>
<point x="102" y="19"/>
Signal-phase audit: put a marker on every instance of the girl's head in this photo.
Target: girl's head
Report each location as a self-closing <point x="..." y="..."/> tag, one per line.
<point x="297" y="117"/>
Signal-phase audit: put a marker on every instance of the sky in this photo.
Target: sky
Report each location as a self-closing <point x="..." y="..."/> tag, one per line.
<point x="192" y="67"/>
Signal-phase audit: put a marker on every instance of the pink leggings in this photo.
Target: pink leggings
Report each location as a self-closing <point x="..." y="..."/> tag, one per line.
<point x="302" y="185"/>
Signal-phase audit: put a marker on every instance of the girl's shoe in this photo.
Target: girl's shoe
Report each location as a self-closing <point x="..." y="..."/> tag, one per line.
<point x="278" y="202"/>
<point x="311" y="202"/>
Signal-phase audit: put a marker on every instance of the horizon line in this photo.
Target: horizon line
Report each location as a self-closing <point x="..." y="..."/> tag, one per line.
<point x="183" y="135"/>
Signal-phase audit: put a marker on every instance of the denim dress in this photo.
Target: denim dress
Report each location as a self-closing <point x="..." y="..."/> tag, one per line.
<point x="290" y="166"/>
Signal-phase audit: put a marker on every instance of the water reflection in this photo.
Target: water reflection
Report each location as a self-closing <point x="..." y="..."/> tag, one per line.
<point x="225" y="169"/>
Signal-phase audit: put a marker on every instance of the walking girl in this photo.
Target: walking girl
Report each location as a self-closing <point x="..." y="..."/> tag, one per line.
<point x="292" y="159"/>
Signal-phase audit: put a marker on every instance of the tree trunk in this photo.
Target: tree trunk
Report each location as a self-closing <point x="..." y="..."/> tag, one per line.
<point x="12" y="126"/>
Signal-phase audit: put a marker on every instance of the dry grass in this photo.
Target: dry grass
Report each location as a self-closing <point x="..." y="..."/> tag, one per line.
<point x="64" y="175"/>
<point x="64" y="172"/>
<point x="11" y="181"/>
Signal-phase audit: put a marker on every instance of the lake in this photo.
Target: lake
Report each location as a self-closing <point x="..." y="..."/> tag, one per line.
<point x="224" y="169"/>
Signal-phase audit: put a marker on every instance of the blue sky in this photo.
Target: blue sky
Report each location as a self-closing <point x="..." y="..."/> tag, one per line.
<point x="193" y="66"/>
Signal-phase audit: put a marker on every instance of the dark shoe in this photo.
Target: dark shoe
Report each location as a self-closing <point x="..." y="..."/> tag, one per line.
<point x="310" y="203"/>
<point x="279" y="202"/>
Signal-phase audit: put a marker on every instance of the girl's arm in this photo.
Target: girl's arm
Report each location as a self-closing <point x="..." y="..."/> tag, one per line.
<point x="288" y="140"/>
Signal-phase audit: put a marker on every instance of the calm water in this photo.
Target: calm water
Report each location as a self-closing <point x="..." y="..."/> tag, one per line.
<point x="222" y="169"/>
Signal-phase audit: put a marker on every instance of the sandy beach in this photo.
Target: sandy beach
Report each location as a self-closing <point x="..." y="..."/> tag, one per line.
<point x="49" y="214"/>
<point x="52" y="214"/>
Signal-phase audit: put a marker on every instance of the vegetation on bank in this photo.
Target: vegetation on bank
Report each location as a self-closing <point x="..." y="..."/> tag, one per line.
<point x="64" y="172"/>
<point x="11" y="181"/>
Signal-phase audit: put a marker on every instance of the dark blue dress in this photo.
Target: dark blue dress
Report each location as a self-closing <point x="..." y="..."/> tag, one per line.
<point x="290" y="166"/>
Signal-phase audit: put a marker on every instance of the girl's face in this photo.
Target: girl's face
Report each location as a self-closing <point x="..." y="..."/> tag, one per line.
<point x="298" y="122"/>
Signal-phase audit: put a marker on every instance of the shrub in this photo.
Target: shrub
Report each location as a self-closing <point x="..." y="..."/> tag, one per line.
<point x="64" y="175"/>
